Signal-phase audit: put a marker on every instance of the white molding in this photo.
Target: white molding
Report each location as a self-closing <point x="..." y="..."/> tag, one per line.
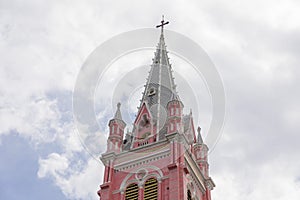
<point x="142" y="160"/>
<point x="158" y="175"/>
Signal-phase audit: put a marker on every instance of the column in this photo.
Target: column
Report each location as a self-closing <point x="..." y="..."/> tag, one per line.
<point x="159" y="191"/>
<point x="106" y="174"/>
<point x="141" y="192"/>
<point x="122" y="195"/>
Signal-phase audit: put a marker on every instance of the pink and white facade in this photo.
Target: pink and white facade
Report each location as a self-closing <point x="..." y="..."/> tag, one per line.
<point x="161" y="157"/>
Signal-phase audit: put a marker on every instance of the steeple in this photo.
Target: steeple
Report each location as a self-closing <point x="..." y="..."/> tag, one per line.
<point x="160" y="87"/>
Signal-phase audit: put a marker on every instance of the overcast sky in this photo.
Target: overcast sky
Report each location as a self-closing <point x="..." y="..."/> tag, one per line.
<point x="255" y="46"/>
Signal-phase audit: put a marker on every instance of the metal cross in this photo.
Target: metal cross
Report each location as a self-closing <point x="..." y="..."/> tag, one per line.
<point x="163" y="23"/>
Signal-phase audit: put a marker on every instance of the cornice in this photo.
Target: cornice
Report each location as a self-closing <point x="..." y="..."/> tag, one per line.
<point x="142" y="158"/>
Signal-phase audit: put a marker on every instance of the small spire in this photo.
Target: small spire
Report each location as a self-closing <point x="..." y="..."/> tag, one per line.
<point x="118" y="114"/>
<point x="199" y="137"/>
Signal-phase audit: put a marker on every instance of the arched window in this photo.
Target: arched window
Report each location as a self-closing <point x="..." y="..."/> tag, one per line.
<point x="189" y="195"/>
<point x="132" y="192"/>
<point x="150" y="191"/>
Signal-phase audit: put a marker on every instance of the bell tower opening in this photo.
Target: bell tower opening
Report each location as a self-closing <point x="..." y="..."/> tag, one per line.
<point x="132" y="192"/>
<point x="150" y="189"/>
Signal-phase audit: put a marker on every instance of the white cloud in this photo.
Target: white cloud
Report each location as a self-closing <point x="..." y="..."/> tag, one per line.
<point x="54" y="165"/>
<point x="77" y="181"/>
<point x="275" y="178"/>
<point x="35" y="119"/>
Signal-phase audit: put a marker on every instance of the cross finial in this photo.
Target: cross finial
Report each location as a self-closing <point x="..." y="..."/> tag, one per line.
<point x="162" y="24"/>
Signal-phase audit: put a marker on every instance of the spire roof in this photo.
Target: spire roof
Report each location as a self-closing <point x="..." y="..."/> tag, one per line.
<point x="118" y="114"/>
<point x="199" y="137"/>
<point x="160" y="87"/>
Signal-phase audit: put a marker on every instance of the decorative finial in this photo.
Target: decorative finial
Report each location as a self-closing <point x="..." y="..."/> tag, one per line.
<point x="118" y="105"/>
<point x="199" y="129"/>
<point x="199" y="138"/>
<point x="162" y="24"/>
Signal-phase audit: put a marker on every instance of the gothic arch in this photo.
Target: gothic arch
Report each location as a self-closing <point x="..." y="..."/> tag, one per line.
<point x="152" y="175"/>
<point x="158" y="170"/>
<point x="154" y="172"/>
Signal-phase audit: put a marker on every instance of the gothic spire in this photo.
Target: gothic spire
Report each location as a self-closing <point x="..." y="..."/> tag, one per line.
<point x="160" y="87"/>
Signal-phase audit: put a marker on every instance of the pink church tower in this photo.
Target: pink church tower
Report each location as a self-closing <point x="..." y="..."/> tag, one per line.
<point x="160" y="158"/>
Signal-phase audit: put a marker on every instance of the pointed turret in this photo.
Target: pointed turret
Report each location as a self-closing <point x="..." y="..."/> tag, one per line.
<point x="201" y="154"/>
<point x="116" y="131"/>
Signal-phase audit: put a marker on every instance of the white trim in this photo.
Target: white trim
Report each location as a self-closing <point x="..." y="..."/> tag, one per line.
<point x="158" y="175"/>
<point x="141" y="160"/>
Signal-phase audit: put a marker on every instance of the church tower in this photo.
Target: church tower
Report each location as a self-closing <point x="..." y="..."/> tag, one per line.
<point x="160" y="158"/>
